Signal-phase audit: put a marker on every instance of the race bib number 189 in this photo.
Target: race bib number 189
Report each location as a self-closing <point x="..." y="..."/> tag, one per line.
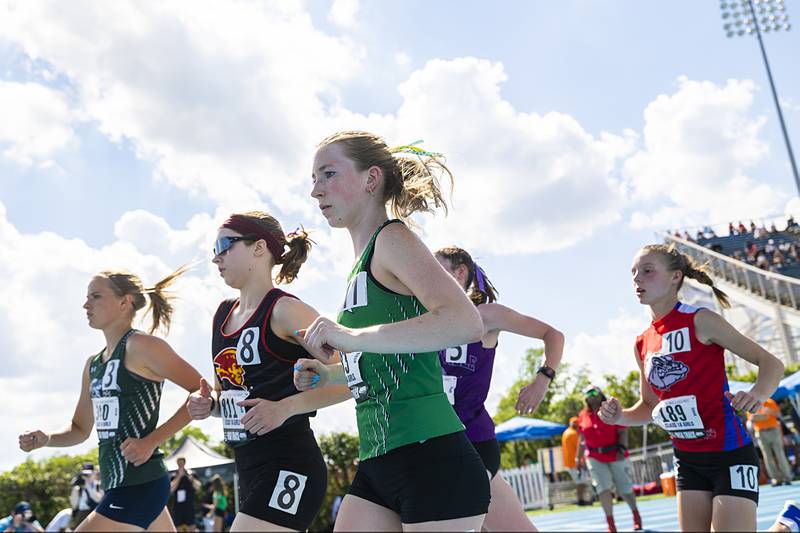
<point x="678" y="414"/>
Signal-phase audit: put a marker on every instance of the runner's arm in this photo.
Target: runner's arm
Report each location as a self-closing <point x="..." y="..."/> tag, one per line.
<point x="82" y="422"/>
<point x="642" y="411"/>
<point x="712" y="328"/>
<point x="496" y="317"/>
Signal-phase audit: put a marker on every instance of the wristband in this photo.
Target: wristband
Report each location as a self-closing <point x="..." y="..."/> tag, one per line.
<point x="547" y="372"/>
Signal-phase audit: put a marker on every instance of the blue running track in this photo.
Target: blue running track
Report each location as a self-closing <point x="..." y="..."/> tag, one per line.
<point x="657" y="515"/>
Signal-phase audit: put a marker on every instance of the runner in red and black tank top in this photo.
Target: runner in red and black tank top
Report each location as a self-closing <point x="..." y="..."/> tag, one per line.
<point x="689" y="379"/>
<point x="684" y="390"/>
<point x="253" y="362"/>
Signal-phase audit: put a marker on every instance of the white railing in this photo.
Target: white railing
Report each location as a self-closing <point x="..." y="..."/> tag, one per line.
<point x="530" y="485"/>
<point x="771" y="286"/>
<point x="649" y="466"/>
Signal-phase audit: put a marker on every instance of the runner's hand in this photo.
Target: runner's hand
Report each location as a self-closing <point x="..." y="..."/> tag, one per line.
<point x="137" y="451"/>
<point x="199" y="404"/>
<point x="531" y="396"/>
<point x="263" y="415"/>
<point x="610" y="411"/>
<point x="744" y="401"/>
<point x="32" y="440"/>
<point x="323" y="337"/>
<point x="310" y="374"/>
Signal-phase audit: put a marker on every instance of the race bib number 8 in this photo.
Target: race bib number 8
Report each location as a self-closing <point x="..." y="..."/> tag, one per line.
<point x="744" y="477"/>
<point x="106" y="415"/>
<point x="232" y="414"/>
<point x="678" y="414"/>
<point x="288" y="491"/>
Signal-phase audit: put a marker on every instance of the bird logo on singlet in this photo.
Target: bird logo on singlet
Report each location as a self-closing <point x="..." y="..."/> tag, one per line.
<point x="664" y="371"/>
<point x="228" y="369"/>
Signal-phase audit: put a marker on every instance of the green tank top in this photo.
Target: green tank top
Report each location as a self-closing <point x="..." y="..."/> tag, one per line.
<point x="399" y="396"/>
<point x="125" y="405"/>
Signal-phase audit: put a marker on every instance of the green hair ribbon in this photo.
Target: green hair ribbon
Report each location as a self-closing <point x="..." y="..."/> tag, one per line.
<point x="413" y="149"/>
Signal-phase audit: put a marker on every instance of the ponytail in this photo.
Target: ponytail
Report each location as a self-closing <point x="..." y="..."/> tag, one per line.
<point x="478" y="286"/>
<point x="299" y="246"/>
<point x="676" y="260"/>
<point x="410" y="174"/>
<point x="126" y="283"/>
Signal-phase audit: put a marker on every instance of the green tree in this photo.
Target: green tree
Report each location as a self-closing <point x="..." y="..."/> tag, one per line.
<point x="340" y="451"/>
<point x="46" y="484"/>
<point x="172" y="443"/>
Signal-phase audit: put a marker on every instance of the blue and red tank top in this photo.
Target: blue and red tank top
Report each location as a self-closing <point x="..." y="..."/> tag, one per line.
<point x="467" y="375"/>
<point x="689" y="379"/>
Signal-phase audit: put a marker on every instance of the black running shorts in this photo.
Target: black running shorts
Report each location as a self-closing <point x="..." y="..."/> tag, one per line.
<point x="442" y="478"/>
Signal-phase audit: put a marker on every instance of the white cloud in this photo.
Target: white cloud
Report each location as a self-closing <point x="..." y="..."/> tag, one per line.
<point x="37" y="122"/>
<point x="699" y="144"/>
<point x="610" y="351"/>
<point x="224" y="99"/>
<point x="343" y="12"/>
<point x="402" y="59"/>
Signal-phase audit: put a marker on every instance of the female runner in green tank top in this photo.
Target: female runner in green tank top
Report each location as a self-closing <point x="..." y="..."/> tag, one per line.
<point x="417" y="471"/>
<point x="120" y="395"/>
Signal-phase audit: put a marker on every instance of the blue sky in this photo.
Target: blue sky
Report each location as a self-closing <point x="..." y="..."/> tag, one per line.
<point x="576" y="130"/>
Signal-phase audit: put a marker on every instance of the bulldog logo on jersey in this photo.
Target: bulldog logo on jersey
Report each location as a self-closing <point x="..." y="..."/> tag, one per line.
<point x="663" y="371"/>
<point x="228" y="369"/>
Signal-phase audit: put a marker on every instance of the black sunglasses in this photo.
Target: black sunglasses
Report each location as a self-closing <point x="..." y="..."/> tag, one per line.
<point x="223" y="244"/>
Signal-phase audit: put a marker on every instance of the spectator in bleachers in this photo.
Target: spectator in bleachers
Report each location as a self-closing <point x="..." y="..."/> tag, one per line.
<point x="762" y="261"/>
<point x="752" y="227"/>
<point x="741" y="228"/>
<point x="687" y="236"/>
<point x="738" y="255"/>
<point x="772" y="228"/>
<point x="700" y="235"/>
<point x="777" y="260"/>
<point x="731" y="230"/>
<point x="770" y="247"/>
<point x="790" y="223"/>
<point x="759" y="233"/>
<point x="792" y="253"/>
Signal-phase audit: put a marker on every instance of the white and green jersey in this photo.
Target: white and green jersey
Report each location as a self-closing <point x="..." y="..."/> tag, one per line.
<point x="399" y="396"/>
<point x="125" y="405"/>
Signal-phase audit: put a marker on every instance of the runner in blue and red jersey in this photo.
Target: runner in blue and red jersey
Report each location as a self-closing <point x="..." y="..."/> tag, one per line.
<point x="684" y="390"/>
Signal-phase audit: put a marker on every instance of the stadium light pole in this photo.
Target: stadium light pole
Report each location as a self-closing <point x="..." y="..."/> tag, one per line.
<point x="740" y="18"/>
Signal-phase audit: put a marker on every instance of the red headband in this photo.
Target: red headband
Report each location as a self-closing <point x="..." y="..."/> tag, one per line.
<point x="245" y="226"/>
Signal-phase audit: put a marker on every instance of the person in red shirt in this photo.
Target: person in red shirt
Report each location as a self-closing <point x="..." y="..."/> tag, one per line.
<point x="605" y="447"/>
<point x="684" y="390"/>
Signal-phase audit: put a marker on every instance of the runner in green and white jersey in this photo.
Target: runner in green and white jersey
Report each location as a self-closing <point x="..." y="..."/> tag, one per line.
<point x="417" y="469"/>
<point x="120" y="395"/>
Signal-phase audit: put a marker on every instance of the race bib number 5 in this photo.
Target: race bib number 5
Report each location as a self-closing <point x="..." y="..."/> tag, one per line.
<point x="679" y="416"/>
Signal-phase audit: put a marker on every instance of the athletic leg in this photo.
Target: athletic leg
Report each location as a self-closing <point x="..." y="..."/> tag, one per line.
<point x="162" y="523"/>
<point x="245" y="522"/>
<point x="98" y="522"/>
<point x="694" y="510"/>
<point x="733" y="513"/>
<point x="470" y="523"/>
<point x="505" y="510"/>
<point x="358" y="514"/>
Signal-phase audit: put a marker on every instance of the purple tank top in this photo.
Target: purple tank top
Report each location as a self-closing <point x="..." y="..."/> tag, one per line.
<point x="467" y="373"/>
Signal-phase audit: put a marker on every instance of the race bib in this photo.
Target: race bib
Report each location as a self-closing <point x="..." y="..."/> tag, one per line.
<point x="288" y="491"/>
<point x="676" y="341"/>
<point x="180" y="496"/>
<point x="247" y="348"/>
<point x="450" y="383"/>
<point x="744" y="477"/>
<point x="457" y="355"/>
<point x="679" y="416"/>
<point x="106" y="416"/>
<point x="356" y="293"/>
<point x="232" y="414"/>
<point x="351" y="363"/>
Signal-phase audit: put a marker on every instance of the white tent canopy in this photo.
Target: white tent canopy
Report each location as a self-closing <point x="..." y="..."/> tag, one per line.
<point x="197" y="456"/>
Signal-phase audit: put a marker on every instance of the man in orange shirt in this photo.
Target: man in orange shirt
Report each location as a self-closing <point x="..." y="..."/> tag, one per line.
<point x="770" y="440"/>
<point x="569" y="448"/>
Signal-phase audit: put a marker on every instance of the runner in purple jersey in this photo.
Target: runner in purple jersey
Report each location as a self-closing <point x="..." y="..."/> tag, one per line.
<point x="467" y="373"/>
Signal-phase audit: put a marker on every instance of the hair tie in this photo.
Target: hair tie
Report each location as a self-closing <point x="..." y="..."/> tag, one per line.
<point x="413" y="149"/>
<point x="479" y="277"/>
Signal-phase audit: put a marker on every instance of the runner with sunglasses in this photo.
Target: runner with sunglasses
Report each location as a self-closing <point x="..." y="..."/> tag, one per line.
<point x="468" y="372"/>
<point x="417" y="470"/>
<point x="120" y="395"/>
<point x="282" y="474"/>
<point x="685" y="391"/>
